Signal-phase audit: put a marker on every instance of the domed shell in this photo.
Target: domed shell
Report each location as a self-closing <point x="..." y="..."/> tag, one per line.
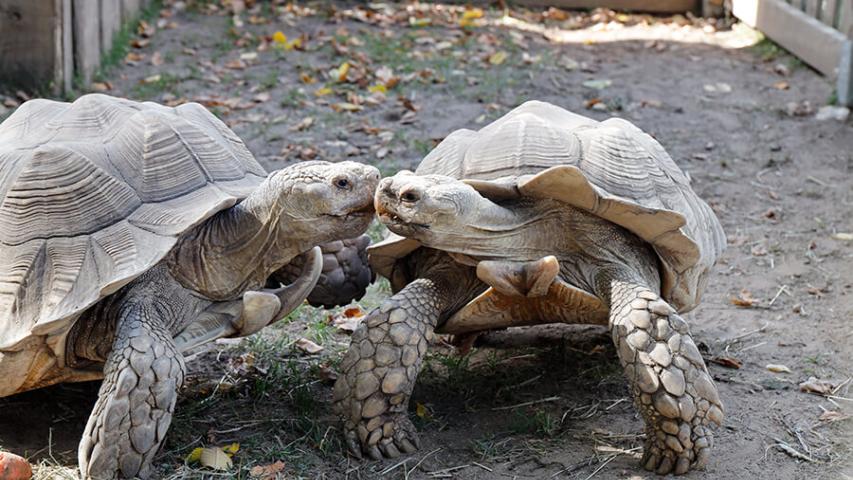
<point x="609" y="168"/>
<point x="96" y="192"/>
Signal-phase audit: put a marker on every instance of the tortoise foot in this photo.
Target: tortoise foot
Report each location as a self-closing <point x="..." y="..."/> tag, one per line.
<point x="676" y="447"/>
<point x="385" y="436"/>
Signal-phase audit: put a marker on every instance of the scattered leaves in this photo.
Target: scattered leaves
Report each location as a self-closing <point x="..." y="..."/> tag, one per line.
<point x="215" y="458"/>
<point x="498" y="58"/>
<point x="308" y="346"/>
<point x="303" y="124"/>
<point x="421" y="410"/>
<point x="349" y="319"/>
<point x="832" y="416"/>
<point x="323" y="91"/>
<point x="469" y="17"/>
<point x="597" y="84"/>
<point x="728" y="362"/>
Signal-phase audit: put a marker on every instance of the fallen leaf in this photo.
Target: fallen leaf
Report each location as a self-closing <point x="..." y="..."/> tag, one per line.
<point x="322" y="91"/>
<point x="378" y="88"/>
<point x="421" y="410"/>
<point x="236" y="65"/>
<point x="832" y="416"/>
<point x="249" y="56"/>
<point x="759" y="250"/>
<point x="815" y="385"/>
<point x="781" y="85"/>
<point x="279" y="38"/>
<point x="349" y="319"/>
<point x="156" y="59"/>
<point x="718" y="87"/>
<point x="215" y="458"/>
<point x="231" y="448"/>
<point x="140" y="42"/>
<point x="346" y="107"/>
<point x="308" y="346"/>
<point x="844" y="237"/>
<point x="261" y="97"/>
<point x="498" y="58"/>
<point x="303" y="124"/>
<point x="597" y="84"/>
<point x="744" y="299"/>
<point x="341" y="72"/>
<point x="307" y="79"/>
<point x="267" y="472"/>
<point x="419" y="22"/>
<point x="728" y="362"/>
<point x="102" y="86"/>
<point x="151" y="79"/>
<point x="469" y="17"/>
<point x="778" y="368"/>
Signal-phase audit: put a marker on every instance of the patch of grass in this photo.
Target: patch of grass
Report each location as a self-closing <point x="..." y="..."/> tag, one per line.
<point x="539" y="422"/>
<point x="121" y="41"/>
<point x="148" y="90"/>
<point x="767" y="50"/>
<point x="293" y="98"/>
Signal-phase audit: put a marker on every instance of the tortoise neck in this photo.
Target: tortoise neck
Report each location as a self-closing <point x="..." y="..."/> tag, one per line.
<point x="239" y="248"/>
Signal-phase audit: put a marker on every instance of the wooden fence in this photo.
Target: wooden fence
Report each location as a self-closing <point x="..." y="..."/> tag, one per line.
<point x="50" y="42"/>
<point x="820" y="32"/>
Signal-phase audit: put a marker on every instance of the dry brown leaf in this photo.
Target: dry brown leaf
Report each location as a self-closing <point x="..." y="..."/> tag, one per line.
<point x="744" y="299"/>
<point x="308" y="346"/>
<point x="832" y="416"/>
<point x="303" y="124"/>
<point x="759" y="250"/>
<point x="349" y="319"/>
<point x="261" y="97"/>
<point x="815" y="385"/>
<point x="497" y="58"/>
<point x="267" y="472"/>
<point x="346" y="107"/>
<point x="102" y="86"/>
<point x="236" y="65"/>
<point x="151" y="79"/>
<point x="781" y="85"/>
<point x="156" y="59"/>
<point x="728" y="362"/>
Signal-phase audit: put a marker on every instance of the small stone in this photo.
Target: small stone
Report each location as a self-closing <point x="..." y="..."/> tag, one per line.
<point x="648" y="295"/>
<point x="373" y="406"/>
<point x="365" y="385"/>
<point x="674" y="444"/>
<point x="661" y="308"/>
<point x="666" y="405"/>
<point x="640" y="318"/>
<point x="673" y="381"/>
<point x="638" y="339"/>
<point x="394" y="381"/>
<point x="639" y="304"/>
<point x="687" y="407"/>
<point x="646" y="379"/>
<point x="829" y="112"/>
<point x="669" y="427"/>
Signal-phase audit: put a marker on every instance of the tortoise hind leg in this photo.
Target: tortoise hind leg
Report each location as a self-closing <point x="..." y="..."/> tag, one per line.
<point x="668" y="378"/>
<point x="142" y="375"/>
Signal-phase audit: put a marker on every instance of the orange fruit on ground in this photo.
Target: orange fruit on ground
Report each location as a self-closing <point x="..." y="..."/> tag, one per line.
<point x="14" y="467"/>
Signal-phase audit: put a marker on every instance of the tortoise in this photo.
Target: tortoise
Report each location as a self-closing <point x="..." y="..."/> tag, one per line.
<point x="543" y="216"/>
<point x="131" y="232"/>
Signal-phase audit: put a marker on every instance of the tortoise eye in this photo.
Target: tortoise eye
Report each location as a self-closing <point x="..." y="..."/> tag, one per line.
<point x="342" y="183"/>
<point x="409" y="197"/>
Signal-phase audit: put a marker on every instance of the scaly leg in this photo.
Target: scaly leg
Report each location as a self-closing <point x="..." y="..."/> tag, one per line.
<point x="142" y="375"/>
<point x="386" y="354"/>
<point x="668" y="378"/>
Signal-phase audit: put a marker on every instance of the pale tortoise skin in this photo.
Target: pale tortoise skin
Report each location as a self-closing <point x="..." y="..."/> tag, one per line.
<point x="132" y="232"/>
<point x="542" y="216"/>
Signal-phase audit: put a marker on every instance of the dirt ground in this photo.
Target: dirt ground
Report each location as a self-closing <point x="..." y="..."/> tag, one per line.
<point x="739" y="118"/>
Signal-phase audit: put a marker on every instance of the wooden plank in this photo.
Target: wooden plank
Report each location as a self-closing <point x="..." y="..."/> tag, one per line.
<point x="87" y="38"/>
<point x="812" y="7"/>
<point x="844" y="88"/>
<point x="655" y="6"/>
<point x="129" y="9"/>
<point x="110" y="23"/>
<point x="65" y="60"/>
<point x="845" y="18"/>
<point x="806" y="37"/>
<point x="827" y="12"/>
<point x="29" y="43"/>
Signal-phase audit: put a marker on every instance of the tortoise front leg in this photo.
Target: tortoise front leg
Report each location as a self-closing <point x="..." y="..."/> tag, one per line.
<point x="142" y="375"/>
<point x="668" y="378"/>
<point x="387" y="352"/>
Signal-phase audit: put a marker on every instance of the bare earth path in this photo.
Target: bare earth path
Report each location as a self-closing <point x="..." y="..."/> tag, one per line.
<point x="781" y="184"/>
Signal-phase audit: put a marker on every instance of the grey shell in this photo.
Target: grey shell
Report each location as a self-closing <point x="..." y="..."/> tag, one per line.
<point x="609" y="168"/>
<point x="94" y="193"/>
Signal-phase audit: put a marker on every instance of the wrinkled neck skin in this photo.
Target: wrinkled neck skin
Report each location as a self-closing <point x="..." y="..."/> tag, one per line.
<point x="488" y="231"/>
<point x="586" y="246"/>
<point x="239" y="248"/>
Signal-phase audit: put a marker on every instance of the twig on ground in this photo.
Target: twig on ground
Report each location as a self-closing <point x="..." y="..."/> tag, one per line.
<point x="527" y="404"/>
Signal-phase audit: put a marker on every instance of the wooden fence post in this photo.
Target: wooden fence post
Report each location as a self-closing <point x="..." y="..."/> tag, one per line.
<point x="87" y="38"/>
<point x="844" y="88"/>
<point x="110" y="23"/>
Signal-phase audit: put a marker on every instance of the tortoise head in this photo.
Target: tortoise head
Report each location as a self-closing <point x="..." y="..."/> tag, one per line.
<point x="333" y="197"/>
<point x="436" y="210"/>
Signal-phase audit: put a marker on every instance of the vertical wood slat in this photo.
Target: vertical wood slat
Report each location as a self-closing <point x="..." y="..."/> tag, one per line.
<point x="827" y="12"/>
<point x="129" y="9"/>
<point x="110" y="23"/>
<point x="844" y="87"/>
<point x="87" y="38"/>
<point x="845" y="18"/>
<point x="65" y="52"/>
<point x="812" y="8"/>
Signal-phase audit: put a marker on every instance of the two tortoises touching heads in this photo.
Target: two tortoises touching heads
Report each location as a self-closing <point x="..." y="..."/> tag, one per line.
<point x="131" y="232"/>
